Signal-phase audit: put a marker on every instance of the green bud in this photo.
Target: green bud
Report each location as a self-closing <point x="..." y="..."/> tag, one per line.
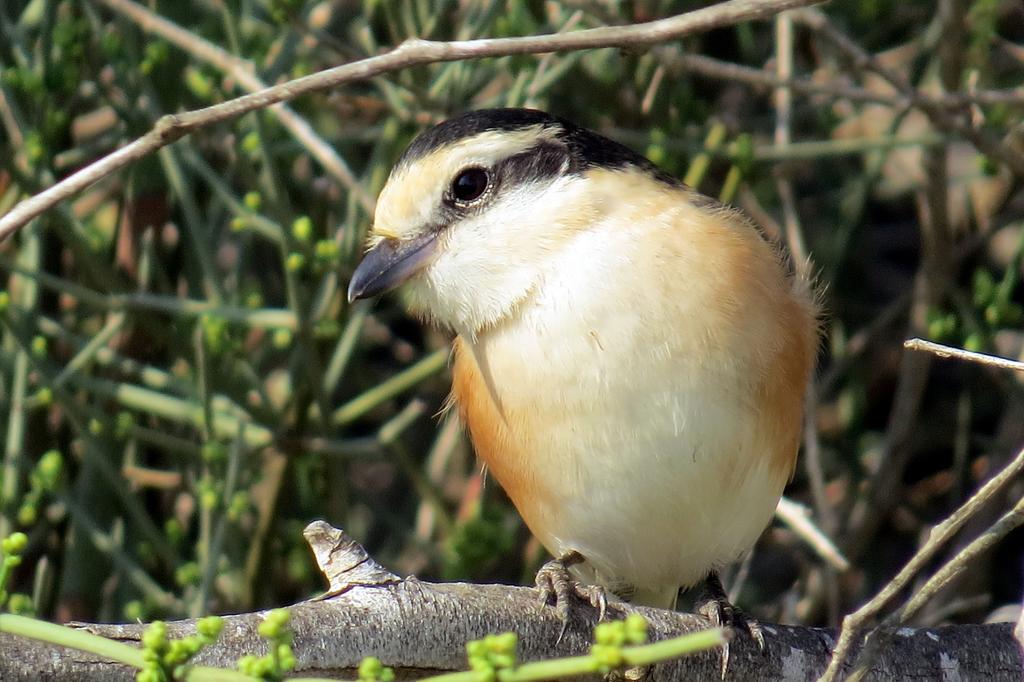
<point x="992" y="314"/>
<point x="251" y="142"/>
<point x="254" y="300"/>
<point x="268" y="629"/>
<point x="208" y="499"/>
<point x="154" y="638"/>
<point x="302" y="228"/>
<point x="253" y="200"/>
<point x="326" y="251"/>
<point x="213" y="452"/>
<point x="247" y="665"/>
<point x="198" y="83"/>
<point x="974" y="342"/>
<point x="174" y="532"/>
<point x="210" y="627"/>
<point x="285" y="656"/>
<point x="177" y="651"/>
<point x="506" y="642"/>
<point x="14" y="544"/>
<point x="238" y="224"/>
<point x="984" y="287"/>
<point x="282" y="338"/>
<point x="215" y="332"/>
<point x="5" y="300"/>
<point x="44" y="397"/>
<point x="148" y="675"/>
<point x="476" y="649"/>
<point x="636" y="628"/>
<point x="940" y="325"/>
<point x="156" y="52"/>
<point x="295" y="262"/>
<point x="20" y="604"/>
<point x="187" y="574"/>
<point x="656" y="153"/>
<point x="49" y="468"/>
<point x="134" y="610"/>
<point x="95" y="427"/>
<point x="34" y="147"/>
<point x="27" y="514"/>
<point x="238" y="505"/>
<point x="370" y="669"/>
<point x="39" y="346"/>
<point x="263" y="667"/>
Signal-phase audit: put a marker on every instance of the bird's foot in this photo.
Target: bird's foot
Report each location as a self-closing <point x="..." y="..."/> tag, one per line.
<point x="714" y="605"/>
<point x="559" y="589"/>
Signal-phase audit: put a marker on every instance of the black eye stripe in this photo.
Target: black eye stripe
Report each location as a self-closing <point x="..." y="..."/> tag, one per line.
<point x="545" y="160"/>
<point x="542" y="161"/>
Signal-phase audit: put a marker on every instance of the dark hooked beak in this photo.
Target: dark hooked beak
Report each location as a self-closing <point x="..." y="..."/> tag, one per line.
<point x="389" y="264"/>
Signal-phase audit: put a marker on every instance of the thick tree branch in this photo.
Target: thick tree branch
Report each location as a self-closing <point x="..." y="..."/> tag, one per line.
<point x="422" y="628"/>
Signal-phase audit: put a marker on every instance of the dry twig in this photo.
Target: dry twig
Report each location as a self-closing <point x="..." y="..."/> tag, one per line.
<point x="944" y="351"/>
<point x="798" y="518"/>
<point x="854" y="623"/>
<point x="942" y="118"/>
<point x="244" y="73"/>
<point x="173" y="127"/>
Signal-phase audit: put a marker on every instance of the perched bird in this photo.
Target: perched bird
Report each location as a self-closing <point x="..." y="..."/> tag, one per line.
<point x="631" y="356"/>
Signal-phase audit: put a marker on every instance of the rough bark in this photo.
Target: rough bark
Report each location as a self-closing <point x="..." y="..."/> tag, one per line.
<point x="421" y="628"/>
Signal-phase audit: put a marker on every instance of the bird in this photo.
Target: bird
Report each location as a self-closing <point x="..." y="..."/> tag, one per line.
<point x="630" y="357"/>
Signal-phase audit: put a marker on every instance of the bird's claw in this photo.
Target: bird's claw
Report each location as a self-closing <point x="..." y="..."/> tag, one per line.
<point x="714" y="605"/>
<point x="559" y="589"/>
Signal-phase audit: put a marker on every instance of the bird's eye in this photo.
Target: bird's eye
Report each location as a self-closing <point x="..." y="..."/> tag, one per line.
<point x="469" y="184"/>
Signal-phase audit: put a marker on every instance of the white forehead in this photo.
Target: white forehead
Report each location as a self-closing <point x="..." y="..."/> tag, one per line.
<point x="412" y="193"/>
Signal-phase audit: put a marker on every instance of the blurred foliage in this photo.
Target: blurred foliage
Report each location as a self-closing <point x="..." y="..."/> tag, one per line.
<point x="184" y="387"/>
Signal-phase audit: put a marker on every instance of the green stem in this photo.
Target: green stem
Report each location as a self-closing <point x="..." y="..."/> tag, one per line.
<point x="346" y="345"/>
<point x="175" y="409"/>
<point x="107" y="648"/>
<point x="667" y="649"/>
<point x="90" y="349"/>
<point x="403" y="381"/>
<point x="645" y="654"/>
<point x="75" y="639"/>
<point x="14" y="451"/>
<point x="267" y="318"/>
<point x="700" y="163"/>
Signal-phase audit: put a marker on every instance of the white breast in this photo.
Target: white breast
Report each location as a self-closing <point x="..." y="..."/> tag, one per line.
<point x="632" y="373"/>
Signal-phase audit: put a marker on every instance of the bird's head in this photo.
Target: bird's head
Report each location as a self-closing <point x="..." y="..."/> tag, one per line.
<point x="476" y="206"/>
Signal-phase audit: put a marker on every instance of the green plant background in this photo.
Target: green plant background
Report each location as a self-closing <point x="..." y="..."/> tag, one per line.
<point x="183" y="385"/>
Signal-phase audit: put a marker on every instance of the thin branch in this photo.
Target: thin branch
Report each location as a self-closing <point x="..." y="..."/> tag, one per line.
<point x="412" y="52"/>
<point x="854" y="623"/>
<point x="943" y="351"/>
<point x="999" y="530"/>
<point x="244" y="73"/>
<point x="939" y="116"/>
<point x="880" y="637"/>
<point x="798" y="518"/>
<point x="709" y="67"/>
